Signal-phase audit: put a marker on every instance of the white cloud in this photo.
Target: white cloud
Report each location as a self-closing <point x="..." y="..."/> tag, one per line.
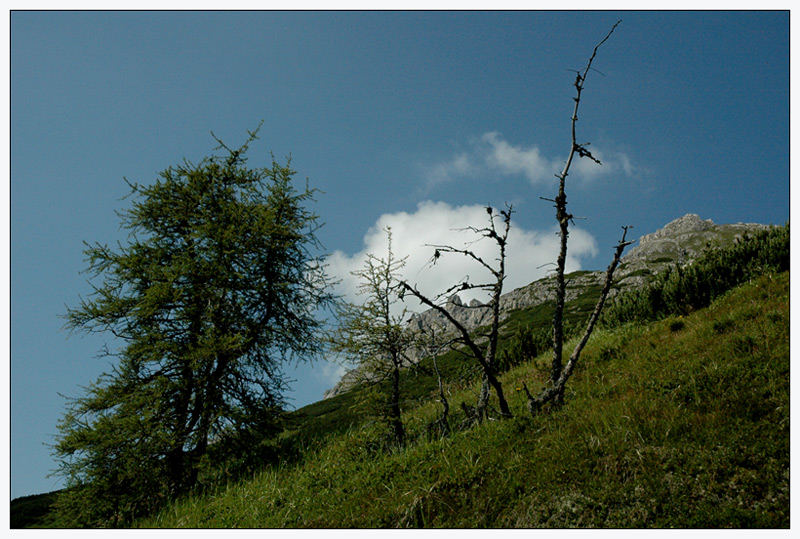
<point x="460" y="166"/>
<point x="492" y="155"/>
<point x="530" y="253"/>
<point x="625" y="164"/>
<point x="512" y="160"/>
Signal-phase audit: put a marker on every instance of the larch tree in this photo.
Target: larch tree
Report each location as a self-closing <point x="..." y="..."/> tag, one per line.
<point x="433" y="342"/>
<point x="376" y="339"/>
<point x="217" y="286"/>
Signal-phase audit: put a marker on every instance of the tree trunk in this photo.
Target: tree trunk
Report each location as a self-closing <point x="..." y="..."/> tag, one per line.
<point x="505" y="411"/>
<point x="394" y="408"/>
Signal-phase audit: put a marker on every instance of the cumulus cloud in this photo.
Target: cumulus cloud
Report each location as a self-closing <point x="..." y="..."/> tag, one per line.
<point x="492" y="155"/>
<point x="460" y="166"/>
<point x="439" y="223"/>
<point x="515" y="160"/>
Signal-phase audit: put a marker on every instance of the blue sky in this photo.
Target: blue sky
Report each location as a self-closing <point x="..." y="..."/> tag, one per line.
<point x="411" y="119"/>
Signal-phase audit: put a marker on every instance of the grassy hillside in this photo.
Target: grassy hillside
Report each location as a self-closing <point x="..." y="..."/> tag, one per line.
<point x="306" y="427"/>
<point x="33" y="511"/>
<point x="683" y="422"/>
<point x="338" y="414"/>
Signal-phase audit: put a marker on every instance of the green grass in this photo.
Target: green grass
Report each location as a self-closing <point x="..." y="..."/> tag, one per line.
<point x="662" y="259"/>
<point x="33" y="511"/>
<point x="680" y="423"/>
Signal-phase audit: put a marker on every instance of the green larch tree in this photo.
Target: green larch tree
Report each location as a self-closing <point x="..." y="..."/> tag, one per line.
<point x="376" y="339"/>
<point x="217" y="286"/>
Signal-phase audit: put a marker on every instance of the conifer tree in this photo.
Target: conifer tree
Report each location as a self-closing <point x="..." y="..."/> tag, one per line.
<point x="217" y="287"/>
<point x="375" y="338"/>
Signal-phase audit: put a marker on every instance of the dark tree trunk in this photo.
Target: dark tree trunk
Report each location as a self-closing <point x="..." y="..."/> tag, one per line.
<point x="558" y="316"/>
<point x="394" y="408"/>
<point x="505" y="411"/>
<point x="563" y="217"/>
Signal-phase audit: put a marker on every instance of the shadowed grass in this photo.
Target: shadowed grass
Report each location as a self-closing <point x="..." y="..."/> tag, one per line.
<point x="33" y="511"/>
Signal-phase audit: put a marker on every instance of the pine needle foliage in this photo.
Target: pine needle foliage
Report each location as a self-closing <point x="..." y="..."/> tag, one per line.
<point x="217" y="286"/>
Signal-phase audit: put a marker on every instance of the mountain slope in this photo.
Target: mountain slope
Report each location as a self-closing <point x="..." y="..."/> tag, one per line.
<point x="678" y="242"/>
<point x="683" y="422"/>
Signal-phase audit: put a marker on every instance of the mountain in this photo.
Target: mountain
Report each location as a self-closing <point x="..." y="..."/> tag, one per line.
<point x="678" y="242"/>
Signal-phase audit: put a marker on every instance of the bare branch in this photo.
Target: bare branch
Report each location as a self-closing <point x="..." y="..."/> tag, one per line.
<point x="555" y="390"/>
<point x="464" y="285"/>
<point x="458" y="325"/>
<point x="448" y="249"/>
<point x="486" y="358"/>
<point x="583" y="152"/>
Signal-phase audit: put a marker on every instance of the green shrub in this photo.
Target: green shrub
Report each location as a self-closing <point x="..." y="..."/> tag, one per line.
<point x="523" y="345"/>
<point x="683" y="289"/>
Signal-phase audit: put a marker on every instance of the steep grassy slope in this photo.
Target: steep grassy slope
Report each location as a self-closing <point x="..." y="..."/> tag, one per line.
<point x="420" y="384"/>
<point x="684" y="422"/>
<point x="33" y="511"/>
<point x="307" y="426"/>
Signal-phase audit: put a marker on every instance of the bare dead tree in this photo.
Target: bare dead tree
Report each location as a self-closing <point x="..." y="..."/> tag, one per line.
<point x="484" y="354"/>
<point x="558" y="373"/>
<point x="556" y="390"/>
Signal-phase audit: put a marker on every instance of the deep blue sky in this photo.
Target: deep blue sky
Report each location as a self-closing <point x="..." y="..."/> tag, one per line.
<point x="377" y="110"/>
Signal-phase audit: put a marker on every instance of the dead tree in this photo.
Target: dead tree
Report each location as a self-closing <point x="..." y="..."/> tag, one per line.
<point x="559" y="374"/>
<point x="555" y="391"/>
<point x="484" y="354"/>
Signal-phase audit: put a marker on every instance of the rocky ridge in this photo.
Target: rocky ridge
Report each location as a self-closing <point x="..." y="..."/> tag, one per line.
<point x="679" y="241"/>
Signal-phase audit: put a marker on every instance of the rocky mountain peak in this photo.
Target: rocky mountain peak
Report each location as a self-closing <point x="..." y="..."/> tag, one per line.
<point x="454" y="300"/>
<point x="691" y="223"/>
<point x="682" y="240"/>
